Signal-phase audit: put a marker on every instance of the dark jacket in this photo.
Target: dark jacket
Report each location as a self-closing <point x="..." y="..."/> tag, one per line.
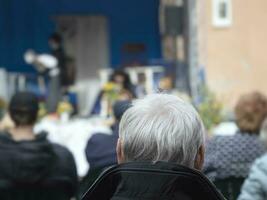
<point x="35" y="165"/>
<point x="147" y="181"/>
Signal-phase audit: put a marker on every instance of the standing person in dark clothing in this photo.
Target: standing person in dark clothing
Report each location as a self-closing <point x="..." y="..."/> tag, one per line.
<point x="31" y="166"/>
<point x="55" y="66"/>
<point x="56" y="80"/>
<point x="56" y="45"/>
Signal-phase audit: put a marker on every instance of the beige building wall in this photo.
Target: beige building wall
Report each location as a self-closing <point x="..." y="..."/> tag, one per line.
<point x="235" y="57"/>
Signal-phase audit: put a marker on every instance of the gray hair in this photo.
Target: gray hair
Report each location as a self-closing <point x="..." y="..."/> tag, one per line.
<point x="161" y="127"/>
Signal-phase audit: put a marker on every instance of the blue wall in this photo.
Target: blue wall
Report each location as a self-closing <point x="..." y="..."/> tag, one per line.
<point x="27" y="24"/>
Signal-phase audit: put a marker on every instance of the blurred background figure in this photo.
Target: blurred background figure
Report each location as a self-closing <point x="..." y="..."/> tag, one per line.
<point x="119" y="87"/>
<point x="101" y="147"/>
<point x="33" y="167"/>
<point x="255" y="186"/>
<point x="122" y="79"/>
<point x="230" y="157"/>
<point x="55" y="66"/>
<point x="56" y="80"/>
<point x="65" y="64"/>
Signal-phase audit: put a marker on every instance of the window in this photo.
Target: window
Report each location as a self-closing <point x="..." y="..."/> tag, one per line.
<point x="222" y="13"/>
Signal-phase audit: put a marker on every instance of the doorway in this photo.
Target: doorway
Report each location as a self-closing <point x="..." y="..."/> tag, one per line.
<point x="86" y="41"/>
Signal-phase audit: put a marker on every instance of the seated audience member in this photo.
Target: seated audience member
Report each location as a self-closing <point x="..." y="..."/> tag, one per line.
<point x="31" y="166"/>
<point x="159" y="132"/>
<point x="122" y="79"/>
<point x="101" y="148"/>
<point x="161" y="127"/>
<point x="232" y="156"/>
<point x="255" y="186"/>
<point x="126" y="89"/>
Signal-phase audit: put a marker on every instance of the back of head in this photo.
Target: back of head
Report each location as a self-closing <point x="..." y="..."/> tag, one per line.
<point x="161" y="127"/>
<point x="23" y="108"/>
<point x="56" y="37"/>
<point x="124" y="76"/>
<point x="120" y="107"/>
<point x="250" y="112"/>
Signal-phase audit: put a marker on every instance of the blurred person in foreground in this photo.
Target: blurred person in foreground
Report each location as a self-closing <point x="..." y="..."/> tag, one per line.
<point x="31" y="166"/>
<point x="160" y="151"/>
<point x="232" y="156"/>
<point x="255" y="186"/>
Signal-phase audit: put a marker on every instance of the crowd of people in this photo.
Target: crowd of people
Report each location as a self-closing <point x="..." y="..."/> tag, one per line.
<point x="159" y="143"/>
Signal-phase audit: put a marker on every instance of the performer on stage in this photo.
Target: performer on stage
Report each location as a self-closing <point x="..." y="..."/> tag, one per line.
<point x="57" y="50"/>
<point x="54" y="65"/>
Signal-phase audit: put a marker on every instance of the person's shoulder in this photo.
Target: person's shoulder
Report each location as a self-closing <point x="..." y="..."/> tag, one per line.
<point x="262" y="162"/>
<point x="216" y="139"/>
<point x="98" y="140"/>
<point x="99" y="136"/>
<point x="60" y="150"/>
<point x="64" y="158"/>
<point x="62" y="153"/>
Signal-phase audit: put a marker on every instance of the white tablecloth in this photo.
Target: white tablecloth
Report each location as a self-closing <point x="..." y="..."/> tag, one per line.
<point x="74" y="135"/>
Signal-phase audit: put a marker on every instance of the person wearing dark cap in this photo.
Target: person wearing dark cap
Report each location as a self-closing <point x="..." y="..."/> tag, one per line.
<point x="30" y="163"/>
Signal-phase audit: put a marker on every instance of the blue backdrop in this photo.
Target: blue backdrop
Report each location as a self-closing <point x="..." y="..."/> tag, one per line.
<point x="27" y="24"/>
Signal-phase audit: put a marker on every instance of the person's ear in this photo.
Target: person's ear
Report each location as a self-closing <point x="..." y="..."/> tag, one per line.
<point x="199" y="162"/>
<point x="120" y="156"/>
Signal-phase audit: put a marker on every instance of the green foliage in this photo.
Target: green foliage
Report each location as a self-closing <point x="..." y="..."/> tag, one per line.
<point x="2" y="108"/>
<point x="210" y="109"/>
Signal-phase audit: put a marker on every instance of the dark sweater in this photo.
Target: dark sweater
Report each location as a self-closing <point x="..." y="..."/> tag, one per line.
<point x="37" y="164"/>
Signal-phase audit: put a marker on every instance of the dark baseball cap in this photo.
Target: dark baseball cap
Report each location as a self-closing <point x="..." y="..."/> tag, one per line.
<point x="24" y="101"/>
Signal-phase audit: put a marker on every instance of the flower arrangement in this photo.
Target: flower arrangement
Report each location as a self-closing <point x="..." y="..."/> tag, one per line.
<point x="42" y="110"/>
<point x="111" y="91"/>
<point x="64" y="107"/>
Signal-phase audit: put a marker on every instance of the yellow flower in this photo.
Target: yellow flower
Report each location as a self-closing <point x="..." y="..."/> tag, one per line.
<point x="109" y="87"/>
<point x="64" y="107"/>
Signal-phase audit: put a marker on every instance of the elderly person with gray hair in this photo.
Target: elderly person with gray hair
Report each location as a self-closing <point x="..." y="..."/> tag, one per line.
<point x="160" y="151"/>
<point x="161" y="127"/>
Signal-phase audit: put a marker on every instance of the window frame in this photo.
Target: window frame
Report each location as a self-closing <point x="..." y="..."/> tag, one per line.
<point x="216" y="19"/>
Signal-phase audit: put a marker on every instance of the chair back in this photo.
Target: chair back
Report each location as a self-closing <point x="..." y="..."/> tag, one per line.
<point x="178" y="180"/>
<point x="230" y="187"/>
